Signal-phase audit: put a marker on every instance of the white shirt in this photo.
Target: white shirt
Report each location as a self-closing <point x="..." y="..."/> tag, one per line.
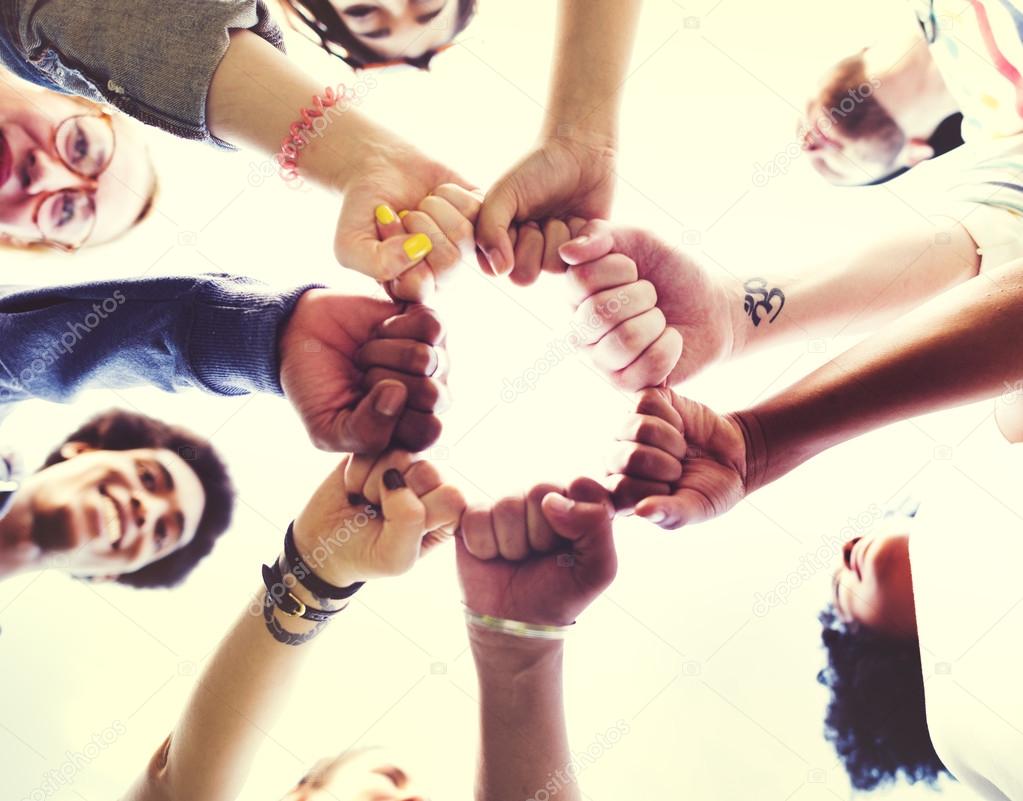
<point x="977" y="46"/>
<point x="966" y="552"/>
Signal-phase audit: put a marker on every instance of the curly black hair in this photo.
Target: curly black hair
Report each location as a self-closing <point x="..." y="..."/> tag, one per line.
<point x="322" y="18"/>
<point x="876" y="717"/>
<point x="118" y="430"/>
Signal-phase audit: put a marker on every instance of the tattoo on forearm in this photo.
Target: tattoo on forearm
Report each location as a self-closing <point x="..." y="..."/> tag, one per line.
<point x="760" y="300"/>
<point x="279" y="633"/>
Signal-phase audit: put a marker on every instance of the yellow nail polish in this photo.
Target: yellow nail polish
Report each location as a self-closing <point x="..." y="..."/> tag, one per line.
<point x="402" y="214"/>
<point x="385" y="216"/>
<point x="418" y="246"/>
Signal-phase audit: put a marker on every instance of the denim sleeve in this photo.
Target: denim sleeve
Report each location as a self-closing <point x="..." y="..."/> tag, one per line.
<point x="214" y="332"/>
<point x="153" y="59"/>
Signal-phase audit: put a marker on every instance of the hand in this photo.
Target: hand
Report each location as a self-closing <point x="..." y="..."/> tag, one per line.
<point x="679" y="462"/>
<point x="394" y="176"/>
<point x="373" y="517"/>
<point x="362" y="374"/>
<point x="638" y="269"/>
<point x="446" y="216"/>
<point x="538" y="559"/>
<point x="563" y="177"/>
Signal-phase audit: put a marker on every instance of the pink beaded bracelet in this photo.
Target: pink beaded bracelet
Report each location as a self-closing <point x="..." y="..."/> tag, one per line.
<point x="296" y="139"/>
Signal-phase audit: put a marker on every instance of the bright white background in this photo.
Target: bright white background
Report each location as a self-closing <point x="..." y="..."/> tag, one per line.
<point x="720" y="701"/>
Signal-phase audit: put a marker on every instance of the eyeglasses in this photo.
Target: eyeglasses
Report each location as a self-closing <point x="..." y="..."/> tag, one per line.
<point x="85" y="145"/>
<point x="322" y="25"/>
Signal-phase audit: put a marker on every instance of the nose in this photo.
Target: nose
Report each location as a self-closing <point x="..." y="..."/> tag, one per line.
<point x="139" y="511"/>
<point x="394" y="7"/>
<point x="45" y="173"/>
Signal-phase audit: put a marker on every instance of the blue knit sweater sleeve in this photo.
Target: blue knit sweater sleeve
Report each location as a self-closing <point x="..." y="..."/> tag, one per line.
<point x="214" y="332"/>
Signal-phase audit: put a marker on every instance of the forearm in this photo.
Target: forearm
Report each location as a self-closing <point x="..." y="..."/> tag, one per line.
<point x="237" y="700"/>
<point x="964" y="346"/>
<point x="594" y="45"/>
<point x="216" y="333"/>
<point x="256" y="95"/>
<point x="892" y="272"/>
<point x="523" y="739"/>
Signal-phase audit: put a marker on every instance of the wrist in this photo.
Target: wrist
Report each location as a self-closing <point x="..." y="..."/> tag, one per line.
<point x="322" y="556"/>
<point x="498" y="654"/>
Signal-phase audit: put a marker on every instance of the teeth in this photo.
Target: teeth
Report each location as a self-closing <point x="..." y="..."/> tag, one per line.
<point x="113" y="521"/>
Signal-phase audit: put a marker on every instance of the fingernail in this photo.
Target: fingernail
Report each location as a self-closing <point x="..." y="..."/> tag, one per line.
<point x="560" y="503"/>
<point x="355" y="499"/>
<point x="403" y="214"/>
<point x="393" y="479"/>
<point x="384" y="215"/>
<point x="656" y="516"/>
<point x="496" y="261"/>
<point x="580" y="240"/>
<point x="418" y="246"/>
<point x="390" y="400"/>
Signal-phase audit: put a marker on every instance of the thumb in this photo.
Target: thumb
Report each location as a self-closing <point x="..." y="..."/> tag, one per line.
<point x="404" y="523"/>
<point x="583" y="515"/>
<point x="594" y="241"/>
<point x="363" y="251"/>
<point x="500" y="206"/>
<point x="683" y="508"/>
<point x="369" y="427"/>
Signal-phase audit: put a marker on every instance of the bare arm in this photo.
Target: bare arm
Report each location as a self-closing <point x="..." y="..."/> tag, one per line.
<point x="595" y="39"/>
<point x="964" y="346"/>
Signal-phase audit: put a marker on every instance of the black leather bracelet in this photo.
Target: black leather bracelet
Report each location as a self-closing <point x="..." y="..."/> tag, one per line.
<point x="308" y="579"/>
<point x="278" y="594"/>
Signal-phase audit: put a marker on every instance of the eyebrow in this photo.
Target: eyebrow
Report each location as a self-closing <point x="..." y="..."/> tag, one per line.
<point x="168" y="480"/>
<point x="432" y="15"/>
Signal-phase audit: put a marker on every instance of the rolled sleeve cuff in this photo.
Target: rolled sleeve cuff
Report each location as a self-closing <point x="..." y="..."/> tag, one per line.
<point x="152" y="59"/>
<point x="234" y="334"/>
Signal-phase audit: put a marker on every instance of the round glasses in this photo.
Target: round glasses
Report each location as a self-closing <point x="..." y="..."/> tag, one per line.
<point x="85" y="145"/>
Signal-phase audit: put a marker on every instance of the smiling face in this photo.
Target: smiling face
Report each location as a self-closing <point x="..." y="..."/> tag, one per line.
<point x="874" y="585"/>
<point x="365" y="775"/>
<point x="46" y="170"/>
<point x="399" y="29"/>
<point x="104" y="513"/>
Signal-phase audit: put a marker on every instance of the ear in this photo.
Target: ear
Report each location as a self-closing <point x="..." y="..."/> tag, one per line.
<point x="69" y="450"/>
<point x="913" y="152"/>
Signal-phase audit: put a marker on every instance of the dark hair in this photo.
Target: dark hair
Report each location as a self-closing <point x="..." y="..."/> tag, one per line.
<point x="118" y="430"/>
<point x="865" y="117"/>
<point x="876" y="717"/>
<point x="327" y="25"/>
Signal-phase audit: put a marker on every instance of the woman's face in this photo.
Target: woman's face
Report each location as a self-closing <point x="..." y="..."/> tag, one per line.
<point x="365" y="775"/>
<point x="400" y="28"/>
<point x="33" y="166"/>
<point x="874" y="586"/>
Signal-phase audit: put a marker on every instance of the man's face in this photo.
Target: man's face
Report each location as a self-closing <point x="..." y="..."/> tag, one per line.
<point x="103" y="513"/>
<point x="368" y="775"/>
<point x="874" y="586"/>
<point x="845" y="160"/>
<point x="35" y="165"/>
